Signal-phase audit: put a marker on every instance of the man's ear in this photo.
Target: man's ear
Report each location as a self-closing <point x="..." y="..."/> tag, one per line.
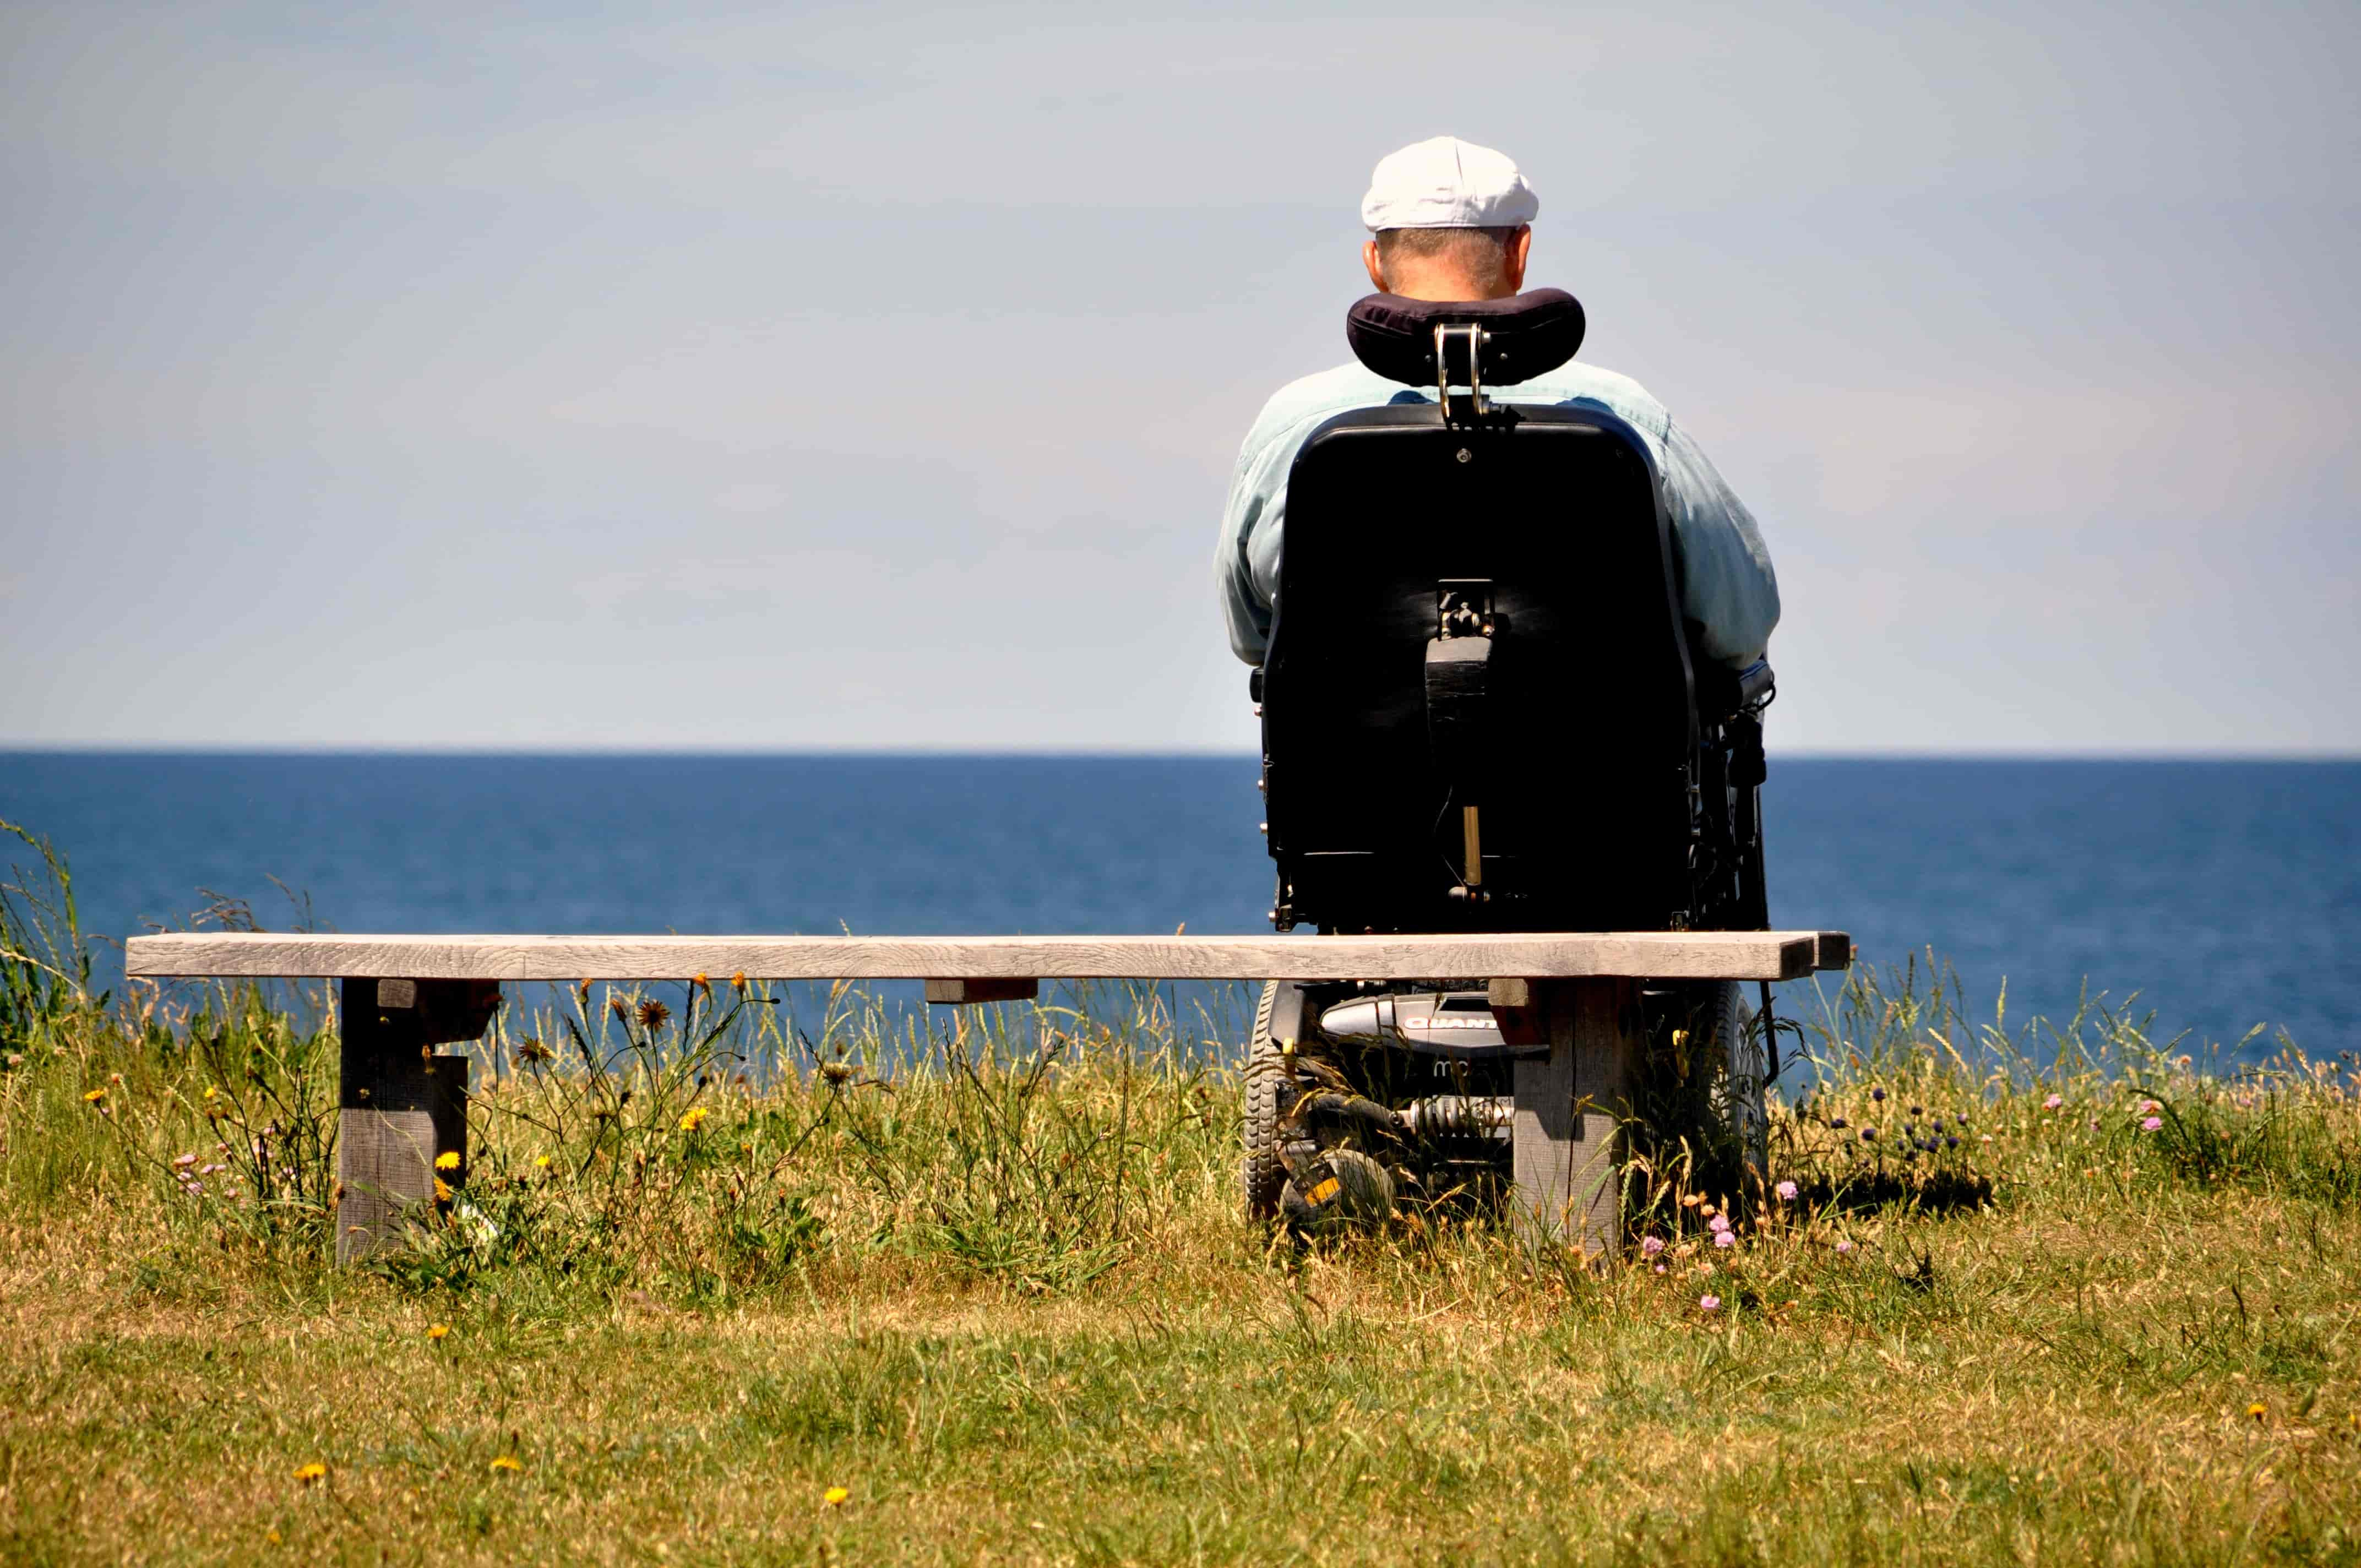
<point x="1369" y="260"/>
<point x="1520" y="248"/>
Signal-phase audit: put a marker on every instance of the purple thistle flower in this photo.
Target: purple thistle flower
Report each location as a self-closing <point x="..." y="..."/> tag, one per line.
<point x="1786" y="1191"/>
<point x="1651" y="1245"/>
<point x="1708" y="1303"/>
<point x="1838" y="1123"/>
<point x="1916" y="1112"/>
<point x="1950" y="1142"/>
<point x="2153" y="1125"/>
<point x="1877" y="1094"/>
<point x="1869" y="1134"/>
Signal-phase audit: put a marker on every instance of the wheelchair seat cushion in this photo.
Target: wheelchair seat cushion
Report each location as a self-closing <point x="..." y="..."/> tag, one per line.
<point x="1526" y="336"/>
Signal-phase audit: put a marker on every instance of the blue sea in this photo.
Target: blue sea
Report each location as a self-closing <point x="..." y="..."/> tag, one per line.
<point x="2222" y="894"/>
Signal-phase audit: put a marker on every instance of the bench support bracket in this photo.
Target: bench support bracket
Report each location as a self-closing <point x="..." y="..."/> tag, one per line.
<point x="402" y="1107"/>
<point x="1568" y="1147"/>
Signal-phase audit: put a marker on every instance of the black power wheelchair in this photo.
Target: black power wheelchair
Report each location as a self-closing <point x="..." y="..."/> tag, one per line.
<point x="1481" y="711"/>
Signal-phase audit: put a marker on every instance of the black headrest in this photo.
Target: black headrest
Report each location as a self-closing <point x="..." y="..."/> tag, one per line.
<point x="1526" y="335"/>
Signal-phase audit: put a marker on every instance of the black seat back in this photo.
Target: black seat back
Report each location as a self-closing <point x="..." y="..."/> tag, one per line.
<point x="1574" y="734"/>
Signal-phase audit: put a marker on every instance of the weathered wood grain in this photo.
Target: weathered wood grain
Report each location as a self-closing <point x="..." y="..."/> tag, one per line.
<point x="402" y="1106"/>
<point x="1665" y="955"/>
<point x="1566" y="1153"/>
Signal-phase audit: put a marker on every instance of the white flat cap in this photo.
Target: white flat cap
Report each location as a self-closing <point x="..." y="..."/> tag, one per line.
<point x="1446" y="183"/>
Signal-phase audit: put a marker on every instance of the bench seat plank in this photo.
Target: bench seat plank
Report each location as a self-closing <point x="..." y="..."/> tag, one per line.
<point x="1662" y="955"/>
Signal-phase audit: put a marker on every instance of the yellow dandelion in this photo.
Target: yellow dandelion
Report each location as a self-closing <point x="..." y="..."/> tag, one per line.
<point x="211" y="1093"/>
<point x="835" y="1496"/>
<point x="2258" y="1409"/>
<point x="442" y="1190"/>
<point x="447" y="1160"/>
<point x="541" y="1162"/>
<point x="694" y="1118"/>
<point x="438" y="1330"/>
<point x="307" y="1473"/>
<point x="508" y="1462"/>
<point x="701" y="983"/>
<point x="95" y="1096"/>
<point x="738" y="982"/>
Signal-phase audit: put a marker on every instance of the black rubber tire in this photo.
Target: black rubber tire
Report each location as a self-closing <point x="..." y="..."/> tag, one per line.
<point x="1261" y="1177"/>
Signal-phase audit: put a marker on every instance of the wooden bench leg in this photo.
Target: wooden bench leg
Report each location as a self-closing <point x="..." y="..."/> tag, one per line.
<point x="402" y="1107"/>
<point x="1567" y="1155"/>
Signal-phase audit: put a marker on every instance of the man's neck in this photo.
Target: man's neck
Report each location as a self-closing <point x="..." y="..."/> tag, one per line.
<point x="1447" y="290"/>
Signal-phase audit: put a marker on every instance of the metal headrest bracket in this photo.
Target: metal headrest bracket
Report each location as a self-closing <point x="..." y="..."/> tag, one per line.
<point x="1476" y="337"/>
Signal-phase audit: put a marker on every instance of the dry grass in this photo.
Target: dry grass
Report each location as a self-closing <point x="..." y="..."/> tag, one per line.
<point x="1005" y="1304"/>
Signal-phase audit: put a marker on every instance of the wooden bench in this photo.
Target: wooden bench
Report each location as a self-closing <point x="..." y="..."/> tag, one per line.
<point x="403" y="1106"/>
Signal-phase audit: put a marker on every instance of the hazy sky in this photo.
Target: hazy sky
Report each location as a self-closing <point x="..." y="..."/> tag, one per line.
<point x="806" y="377"/>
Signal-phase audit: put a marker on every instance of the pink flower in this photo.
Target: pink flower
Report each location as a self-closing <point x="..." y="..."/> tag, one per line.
<point x="184" y="1160"/>
<point x="1651" y="1245"/>
<point x="1786" y="1190"/>
<point x="1708" y="1303"/>
<point x="1660" y="1268"/>
<point x="1844" y="1246"/>
<point x="1723" y="1238"/>
<point x="2154" y="1124"/>
<point x="2054" y="1101"/>
<point x="2147" y="1106"/>
<point x="1718" y="1224"/>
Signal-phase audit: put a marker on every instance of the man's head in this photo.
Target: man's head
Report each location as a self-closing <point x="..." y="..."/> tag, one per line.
<point x="1450" y="220"/>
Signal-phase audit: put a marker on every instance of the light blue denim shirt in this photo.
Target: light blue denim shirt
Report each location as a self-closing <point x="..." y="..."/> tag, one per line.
<point x="1726" y="586"/>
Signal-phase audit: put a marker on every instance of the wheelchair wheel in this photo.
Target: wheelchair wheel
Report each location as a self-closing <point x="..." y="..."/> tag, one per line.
<point x="1737" y="1062"/>
<point x="1261" y="1175"/>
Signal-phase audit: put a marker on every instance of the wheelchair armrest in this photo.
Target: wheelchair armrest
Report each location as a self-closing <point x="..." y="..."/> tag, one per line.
<point x="1723" y="691"/>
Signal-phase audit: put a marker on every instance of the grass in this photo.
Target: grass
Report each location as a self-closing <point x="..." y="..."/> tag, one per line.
<point x="708" y="1266"/>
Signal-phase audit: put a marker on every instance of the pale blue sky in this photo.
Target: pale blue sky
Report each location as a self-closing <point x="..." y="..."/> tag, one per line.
<point x="808" y="377"/>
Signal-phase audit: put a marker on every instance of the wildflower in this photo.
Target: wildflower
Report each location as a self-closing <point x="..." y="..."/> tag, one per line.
<point x="1986" y="1138"/>
<point x="653" y="1013"/>
<point x="1660" y="1268"/>
<point x="1950" y="1142"/>
<point x="1962" y="1118"/>
<point x="1877" y="1094"/>
<point x="835" y="1071"/>
<point x="1915" y="1111"/>
<point x="530" y="1049"/>
<point x="2152" y="1124"/>
<point x="1724" y="1238"/>
<point x="1651" y="1245"/>
<point x="2149" y="1107"/>
<point x="1844" y="1246"/>
<point x="1708" y="1303"/>
<point x="447" y="1160"/>
<point x="508" y="1462"/>
<point x="1786" y="1191"/>
<point x="1691" y="1200"/>
<point x="307" y="1473"/>
<point x="699" y="982"/>
<point x="694" y="1118"/>
<point x="95" y="1096"/>
<point x="212" y="1092"/>
<point x="184" y="1160"/>
<point x="738" y="982"/>
<point x="619" y="1007"/>
<point x="1869" y="1134"/>
<point x="835" y="1496"/>
<point x="1718" y="1225"/>
<point x="541" y="1162"/>
<point x="582" y="991"/>
<point x="2258" y="1411"/>
<point x="1838" y="1123"/>
<point x="438" y="1330"/>
<point x="2094" y="1124"/>
<point x="442" y="1190"/>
